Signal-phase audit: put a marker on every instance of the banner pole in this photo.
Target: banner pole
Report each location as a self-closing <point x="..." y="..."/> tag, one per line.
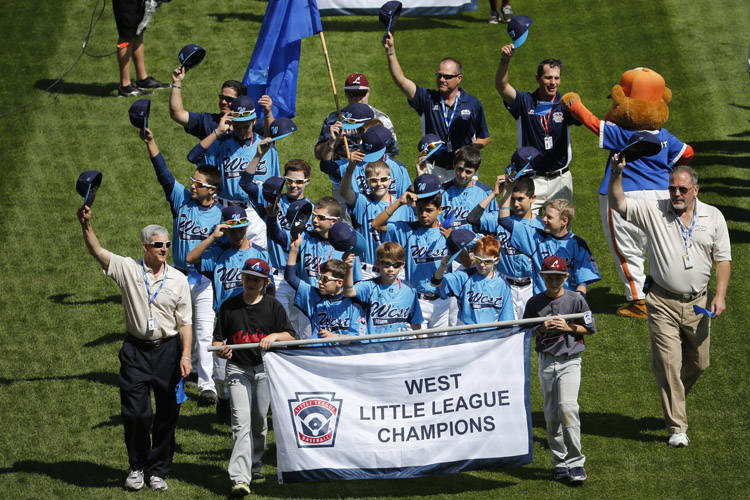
<point x="333" y="86"/>
<point x="356" y="338"/>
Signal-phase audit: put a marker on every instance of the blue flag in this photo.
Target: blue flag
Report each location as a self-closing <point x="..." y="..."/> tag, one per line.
<point x="275" y="61"/>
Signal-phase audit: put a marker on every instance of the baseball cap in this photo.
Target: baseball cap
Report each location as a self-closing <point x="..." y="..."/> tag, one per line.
<point x="426" y="185"/>
<point x="344" y="238"/>
<point x="256" y="267"/>
<point x="298" y="214"/>
<point x="518" y="29"/>
<point x="235" y="216"/>
<point x="355" y="115"/>
<point x="357" y="81"/>
<point x="388" y="14"/>
<point x="272" y="189"/>
<point x="282" y="127"/>
<point x="641" y="144"/>
<point x="553" y="264"/>
<point x="138" y="113"/>
<point x="643" y="83"/>
<point x="87" y="184"/>
<point x="375" y="140"/>
<point x="459" y="239"/>
<point x="191" y="55"/>
<point x="244" y="107"/>
<point x="429" y="145"/>
<point x="522" y="162"/>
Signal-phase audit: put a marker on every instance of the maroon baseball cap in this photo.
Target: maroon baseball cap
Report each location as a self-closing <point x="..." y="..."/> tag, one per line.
<point x="357" y="81"/>
<point x="256" y="267"/>
<point x="554" y="265"/>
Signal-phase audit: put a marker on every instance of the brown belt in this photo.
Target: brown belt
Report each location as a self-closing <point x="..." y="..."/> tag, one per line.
<point x="682" y="297"/>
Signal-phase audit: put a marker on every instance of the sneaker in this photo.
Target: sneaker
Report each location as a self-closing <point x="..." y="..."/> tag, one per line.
<point x="257" y="476"/>
<point x="240" y="489"/>
<point x="494" y="18"/>
<point x="507" y="13"/>
<point x="130" y="91"/>
<point x="577" y="475"/>
<point x="678" y="440"/>
<point x="134" y="481"/>
<point x="559" y="473"/>
<point x="157" y="483"/>
<point x="224" y="411"/>
<point x="633" y="309"/>
<point x="150" y="83"/>
<point x="207" y="398"/>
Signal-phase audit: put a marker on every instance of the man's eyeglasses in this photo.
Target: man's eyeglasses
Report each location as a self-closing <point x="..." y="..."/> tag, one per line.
<point x="681" y="189"/>
<point x="226" y="98"/>
<point x="486" y="262"/>
<point x="298" y="182"/>
<point x="321" y="217"/>
<point x="375" y="180"/>
<point x="446" y="77"/>
<point x="159" y="244"/>
<point x="324" y="278"/>
<point x="237" y="222"/>
<point x="241" y="114"/>
<point x="197" y="183"/>
<point x="395" y="265"/>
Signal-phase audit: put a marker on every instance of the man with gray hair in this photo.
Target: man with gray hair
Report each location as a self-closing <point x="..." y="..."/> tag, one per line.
<point x="156" y="300"/>
<point x="685" y="238"/>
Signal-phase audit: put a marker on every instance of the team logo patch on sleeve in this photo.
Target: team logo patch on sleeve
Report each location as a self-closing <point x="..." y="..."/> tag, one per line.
<point x="315" y="418"/>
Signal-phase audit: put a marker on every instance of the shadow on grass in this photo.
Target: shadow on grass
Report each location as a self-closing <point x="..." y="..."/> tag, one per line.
<point x="602" y="300"/>
<point x="736" y="214"/>
<point x="92" y="89"/>
<point x="611" y="425"/>
<point x="370" y="24"/>
<point x="78" y="473"/>
<point x="205" y="423"/>
<point x="732" y="153"/>
<point x="105" y="378"/>
<point x="105" y="339"/>
<point x="739" y="236"/>
<point x="62" y="298"/>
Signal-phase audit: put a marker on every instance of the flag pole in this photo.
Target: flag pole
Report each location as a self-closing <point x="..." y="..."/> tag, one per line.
<point x="333" y="87"/>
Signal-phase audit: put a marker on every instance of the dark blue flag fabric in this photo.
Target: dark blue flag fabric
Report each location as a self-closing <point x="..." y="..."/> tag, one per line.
<point x="275" y="61"/>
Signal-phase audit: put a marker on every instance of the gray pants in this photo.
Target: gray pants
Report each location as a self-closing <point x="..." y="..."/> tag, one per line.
<point x="560" y="378"/>
<point x="251" y="399"/>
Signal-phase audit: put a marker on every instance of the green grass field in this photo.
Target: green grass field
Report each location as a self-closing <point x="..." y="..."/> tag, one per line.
<point x="62" y="322"/>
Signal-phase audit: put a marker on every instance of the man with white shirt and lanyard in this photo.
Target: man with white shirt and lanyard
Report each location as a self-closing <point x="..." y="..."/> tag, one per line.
<point x="542" y="124"/>
<point x="685" y="238"/>
<point x="449" y="112"/>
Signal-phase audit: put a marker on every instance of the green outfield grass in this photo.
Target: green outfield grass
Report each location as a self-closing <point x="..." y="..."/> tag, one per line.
<point x="62" y="322"/>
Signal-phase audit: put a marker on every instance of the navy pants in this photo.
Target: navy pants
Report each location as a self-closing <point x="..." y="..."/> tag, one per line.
<point x="149" y="437"/>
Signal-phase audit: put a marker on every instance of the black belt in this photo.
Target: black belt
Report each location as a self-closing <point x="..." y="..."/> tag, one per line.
<point x="682" y="297"/>
<point x="149" y="343"/>
<point x="552" y="175"/>
<point x="183" y="271"/>
<point x="428" y="295"/>
<point x="518" y="281"/>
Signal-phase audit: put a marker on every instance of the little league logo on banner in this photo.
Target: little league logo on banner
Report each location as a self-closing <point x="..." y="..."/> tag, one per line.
<point x="401" y="408"/>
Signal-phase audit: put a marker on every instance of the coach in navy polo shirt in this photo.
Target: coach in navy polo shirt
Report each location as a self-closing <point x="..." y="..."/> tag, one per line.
<point x="542" y="124"/>
<point x="449" y="112"/>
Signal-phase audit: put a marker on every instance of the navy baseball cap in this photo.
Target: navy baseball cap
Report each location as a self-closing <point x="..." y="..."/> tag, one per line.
<point x="426" y="185"/>
<point x="138" y="113"/>
<point x="374" y="142"/>
<point x="460" y="239"/>
<point x="641" y="144"/>
<point x="298" y="214"/>
<point x="518" y="29"/>
<point x="191" y="56"/>
<point x="87" y="184"/>
<point x="235" y="216"/>
<point x="345" y="239"/>
<point x="355" y="115"/>
<point x="522" y="163"/>
<point x="429" y="145"/>
<point x="272" y="189"/>
<point x="256" y="267"/>
<point x="388" y="14"/>
<point x="243" y="109"/>
<point x="282" y="127"/>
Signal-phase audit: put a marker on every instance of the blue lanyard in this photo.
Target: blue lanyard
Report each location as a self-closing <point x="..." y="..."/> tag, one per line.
<point x="148" y="289"/>
<point x="447" y="120"/>
<point x="687" y="233"/>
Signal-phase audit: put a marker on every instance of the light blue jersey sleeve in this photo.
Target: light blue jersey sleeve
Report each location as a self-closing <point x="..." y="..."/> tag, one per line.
<point x="587" y="271"/>
<point x="453" y="284"/>
<point x="305" y="299"/>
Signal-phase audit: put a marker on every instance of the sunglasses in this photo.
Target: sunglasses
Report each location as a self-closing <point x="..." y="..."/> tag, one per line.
<point x="159" y="244"/>
<point x="298" y="182"/>
<point x="446" y="77"/>
<point x="237" y="222"/>
<point x="324" y="278"/>
<point x="429" y="147"/>
<point x="196" y="182"/>
<point x="486" y="262"/>
<point x="321" y="217"/>
<point x="227" y="98"/>
<point x="351" y="121"/>
<point x="395" y="265"/>
<point x="681" y="189"/>
<point x="375" y="180"/>
<point x="241" y="114"/>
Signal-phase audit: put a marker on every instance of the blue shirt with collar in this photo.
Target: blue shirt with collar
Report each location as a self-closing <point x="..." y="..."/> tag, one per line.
<point x="424" y="248"/>
<point x="223" y="266"/>
<point x="313" y="252"/>
<point x="513" y="263"/>
<point x="461" y="201"/>
<point x="390" y="308"/>
<point x="481" y="299"/>
<point x="364" y="211"/>
<point x="335" y="313"/>
<point x="400" y="180"/>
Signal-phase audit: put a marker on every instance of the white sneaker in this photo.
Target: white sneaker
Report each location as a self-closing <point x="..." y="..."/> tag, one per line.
<point x="507" y="13"/>
<point x="157" y="483"/>
<point x="134" y="481"/>
<point x="678" y="440"/>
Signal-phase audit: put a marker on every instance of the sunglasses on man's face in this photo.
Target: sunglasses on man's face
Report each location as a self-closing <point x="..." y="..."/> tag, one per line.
<point x="298" y="182"/>
<point x="324" y="278"/>
<point x="395" y="265"/>
<point x="322" y="217"/>
<point x="160" y="244"/>
<point x="226" y="98"/>
<point x="237" y="222"/>
<point x="375" y="180"/>
<point x="445" y="77"/>
<point x="195" y="182"/>
<point x="681" y="189"/>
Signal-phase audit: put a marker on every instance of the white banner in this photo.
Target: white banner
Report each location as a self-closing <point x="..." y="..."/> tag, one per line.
<point x="410" y="7"/>
<point x="401" y="408"/>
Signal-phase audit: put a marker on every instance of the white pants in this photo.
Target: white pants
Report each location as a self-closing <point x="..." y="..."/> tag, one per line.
<point x="519" y="296"/>
<point x="436" y="313"/>
<point x="284" y="293"/>
<point x="549" y="189"/>
<point x="209" y="366"/>
<point x="628" y="243"/>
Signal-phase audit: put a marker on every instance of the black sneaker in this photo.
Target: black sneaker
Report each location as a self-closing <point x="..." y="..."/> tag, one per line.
<point x="130" y="91"/>
<point x="559" y="473"/>
<point x="578" y="475"/>
<point x="150" y="83"/>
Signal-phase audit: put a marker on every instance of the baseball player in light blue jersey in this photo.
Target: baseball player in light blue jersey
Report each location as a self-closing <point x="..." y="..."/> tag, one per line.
<point x="231" y="153"/>
<point x="424" y="244"/>
<point x="391" y="304"/>
<point x="195" y="215"/>
<point x="482" y="293"/>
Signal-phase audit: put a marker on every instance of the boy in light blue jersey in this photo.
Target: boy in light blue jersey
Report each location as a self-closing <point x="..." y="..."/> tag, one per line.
<point x="331" y="314"/>
<point x="365" y="208"/>
<point x="483" y="295"/>
<point x="231" y="153"/>
<point x="391" y="305"/>
<point x="423" y="243"/>
<point x="194" y="214"/>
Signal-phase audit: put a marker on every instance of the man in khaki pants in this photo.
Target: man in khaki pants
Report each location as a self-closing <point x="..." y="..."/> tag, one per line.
<point x="685" y="238"/>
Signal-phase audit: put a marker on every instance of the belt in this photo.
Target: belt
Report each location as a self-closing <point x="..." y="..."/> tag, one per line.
<point x="682" y="297"/>
<point x="518" y="281"/>
<point x="552" y="175"/>
<point x="149" y="343"/>
<point x="183" y="271"/>
<point x="231" y="203"/>
<point x="428" y="295"/>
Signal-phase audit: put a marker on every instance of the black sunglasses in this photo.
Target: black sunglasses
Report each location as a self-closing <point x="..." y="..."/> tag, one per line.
<point x="681" y="189"/>
<point x="159" y="244"/>
<point x="446" y="77"/>
<point x="227" y="98"/>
